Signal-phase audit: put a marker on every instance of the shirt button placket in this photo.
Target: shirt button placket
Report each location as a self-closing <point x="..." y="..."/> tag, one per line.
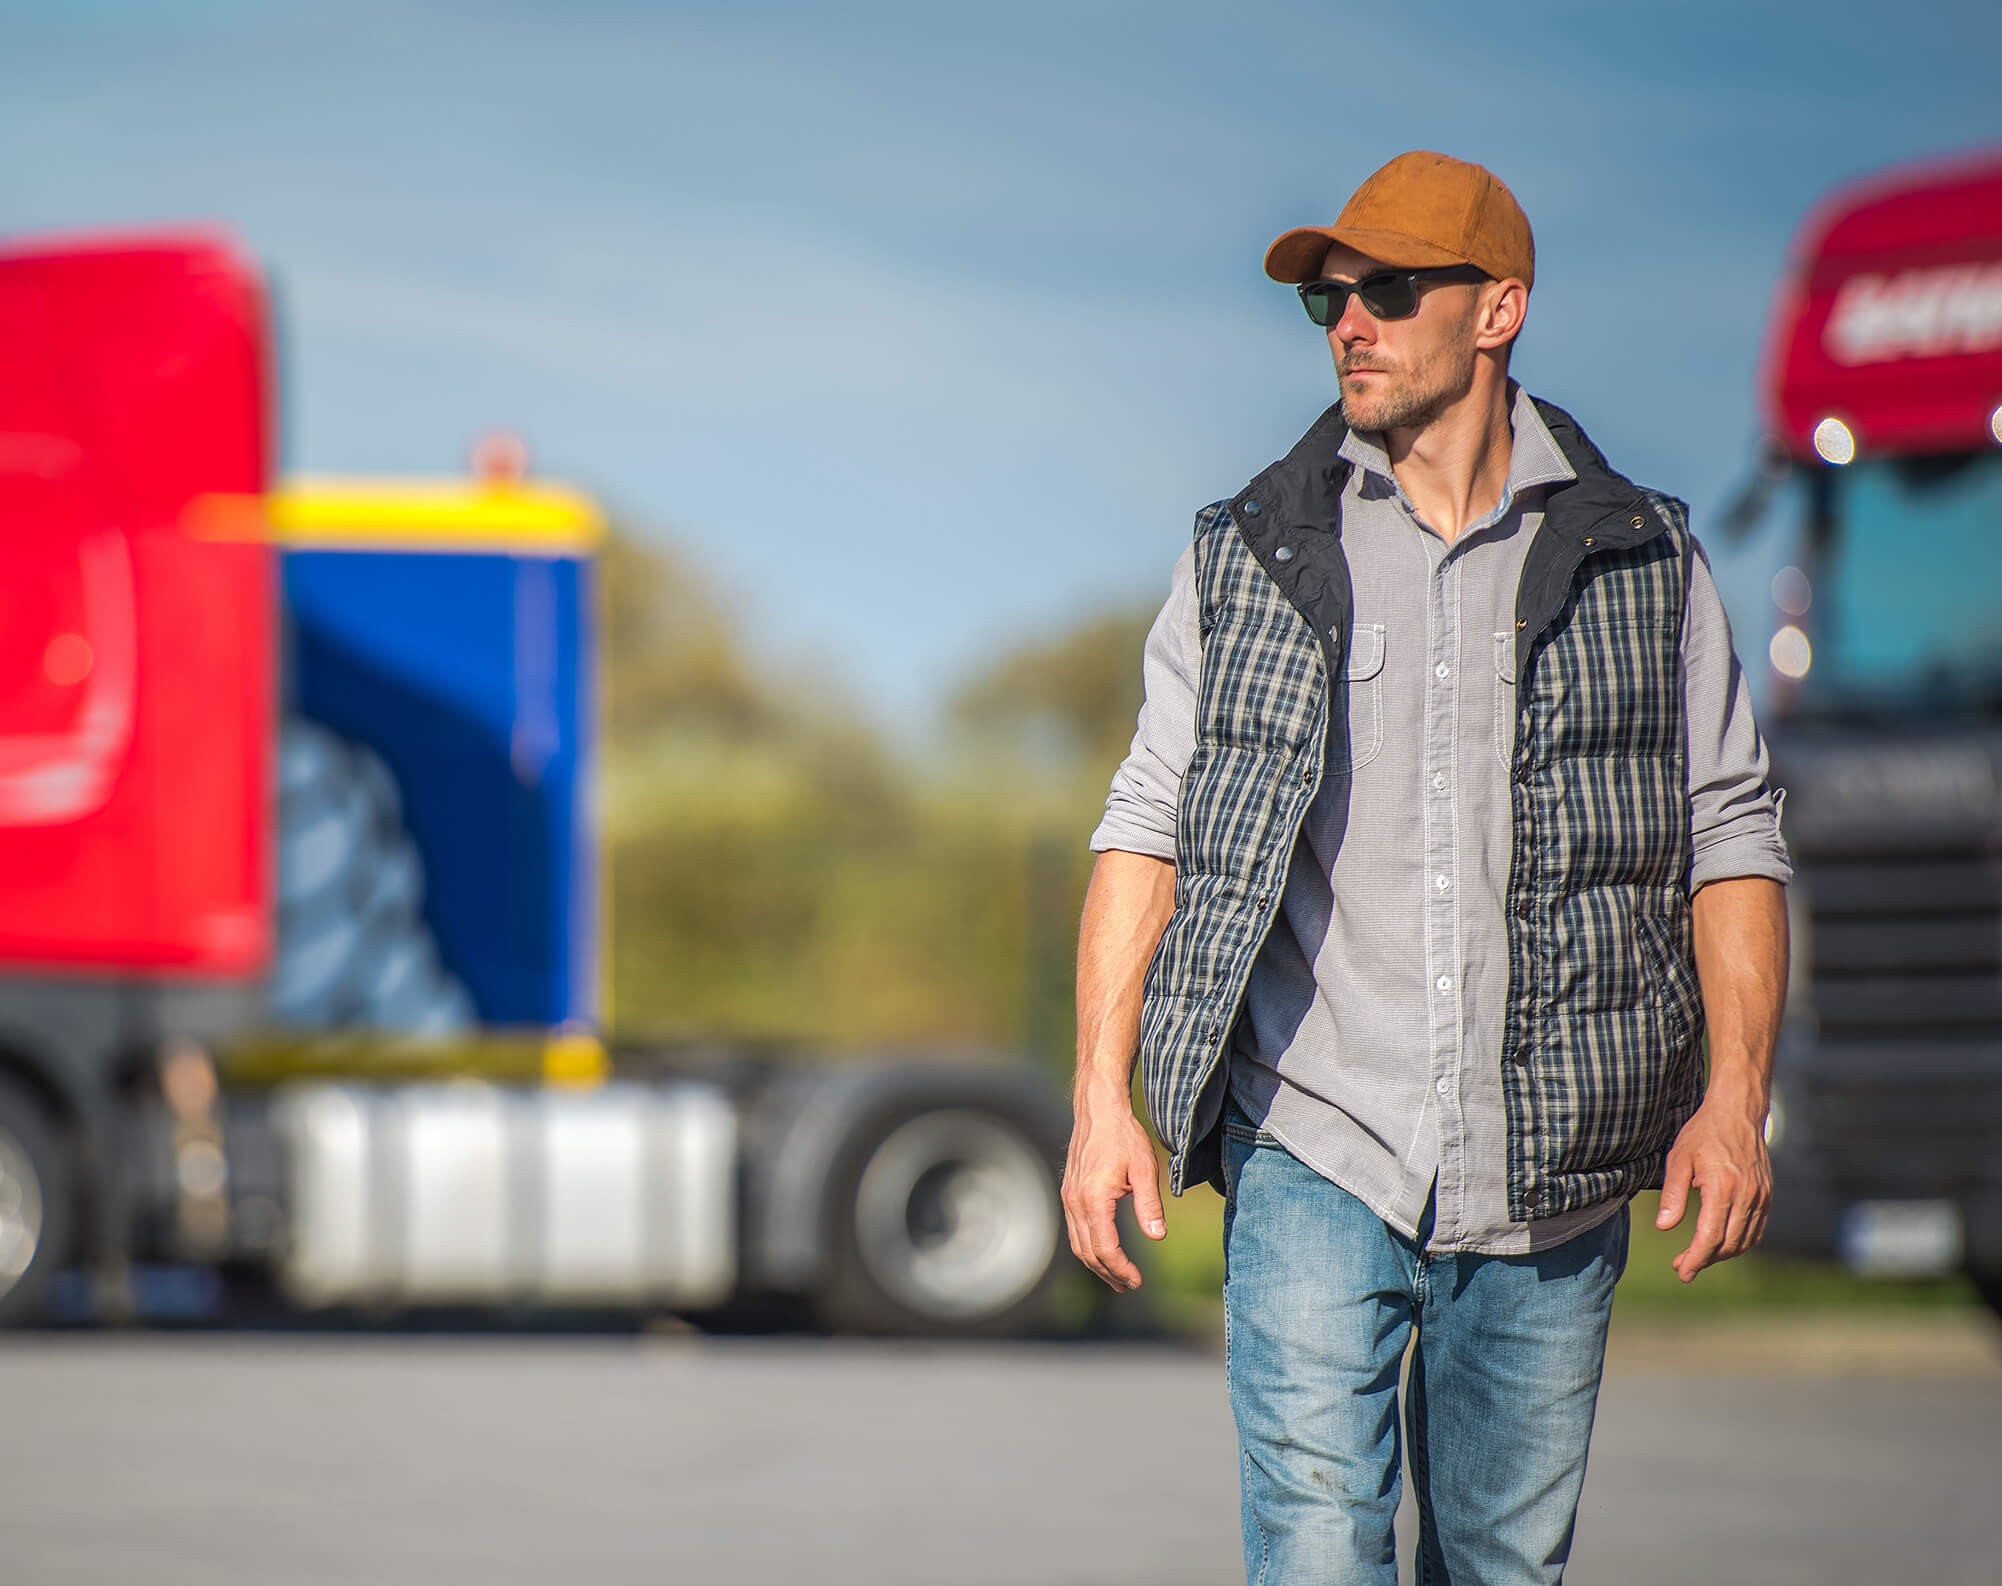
<point x="1441" y="844"/>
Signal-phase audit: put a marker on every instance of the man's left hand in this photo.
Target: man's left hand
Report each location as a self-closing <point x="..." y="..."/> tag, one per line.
<point x="1721" y="1153"/>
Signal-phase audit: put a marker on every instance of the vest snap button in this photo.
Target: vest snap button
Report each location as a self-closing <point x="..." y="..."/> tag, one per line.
<point x="1283" y="554"/>
<point x="1640" y="523"/>
<point x="1252" y="509"/>
<point x="1588" y="539"/>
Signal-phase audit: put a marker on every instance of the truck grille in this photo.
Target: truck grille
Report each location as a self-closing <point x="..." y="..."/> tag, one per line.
<point x="1904" y="1096"/>
<point x="1906" y="948"/>
<point x="1901" y="1130"/>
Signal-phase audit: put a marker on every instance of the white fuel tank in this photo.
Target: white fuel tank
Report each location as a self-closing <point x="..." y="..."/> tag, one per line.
<point x="471" y="1193"/>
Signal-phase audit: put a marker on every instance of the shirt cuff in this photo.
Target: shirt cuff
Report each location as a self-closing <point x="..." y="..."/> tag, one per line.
<point x="1130" y="837"/>
<point x="1747" y="847"/>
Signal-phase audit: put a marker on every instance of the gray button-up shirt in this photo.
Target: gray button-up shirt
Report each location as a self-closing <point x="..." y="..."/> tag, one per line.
<point x="1370" y="1042"/>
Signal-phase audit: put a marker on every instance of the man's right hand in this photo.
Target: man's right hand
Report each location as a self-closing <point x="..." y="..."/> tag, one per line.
<point x="1111" y="1157"/>
<point x="1126" y="908"/>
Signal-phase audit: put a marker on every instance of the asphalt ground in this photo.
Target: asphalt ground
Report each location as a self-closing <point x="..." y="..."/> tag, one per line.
<point x="1768" y="1456"/>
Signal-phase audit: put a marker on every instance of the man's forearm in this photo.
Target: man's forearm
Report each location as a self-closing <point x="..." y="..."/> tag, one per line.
<point x="1111" y="1156"/>
<point x="1125" y="911"/>
<point x="1741" y="960"/>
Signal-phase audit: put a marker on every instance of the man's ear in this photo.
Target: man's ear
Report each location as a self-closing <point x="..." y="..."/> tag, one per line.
<point x="1504" y="307"/>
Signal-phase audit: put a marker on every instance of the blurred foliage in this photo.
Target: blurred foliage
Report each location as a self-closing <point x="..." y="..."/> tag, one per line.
<point x="1070" y="698"/>
<point x="778" y="873"/>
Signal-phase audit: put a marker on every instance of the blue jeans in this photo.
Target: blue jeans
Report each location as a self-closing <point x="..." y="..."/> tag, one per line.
<point x="1320" y="1299"/>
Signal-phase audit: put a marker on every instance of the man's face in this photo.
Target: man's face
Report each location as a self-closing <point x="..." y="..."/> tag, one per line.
<point x="1401" y="373"/>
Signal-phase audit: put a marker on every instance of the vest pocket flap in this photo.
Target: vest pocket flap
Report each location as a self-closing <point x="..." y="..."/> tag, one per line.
<point x="1505" y="657"/>
<point x="1672" y="964"/>
<point x="1365" y="651"/>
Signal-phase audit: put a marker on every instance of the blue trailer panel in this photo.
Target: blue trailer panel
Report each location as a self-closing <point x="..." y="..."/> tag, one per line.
<point x="459" y="652"/>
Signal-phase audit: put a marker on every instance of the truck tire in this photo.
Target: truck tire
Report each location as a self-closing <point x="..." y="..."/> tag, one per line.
<point x="947" y="1222"/>
<point x="353" y="949"/>
<point x="1988" y="1284"/>
<point x="37" y="1209"/>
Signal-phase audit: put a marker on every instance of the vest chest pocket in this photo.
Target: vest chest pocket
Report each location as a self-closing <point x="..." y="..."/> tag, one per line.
<point x="1505" y="699"/>
<point x="1361" y="737"/>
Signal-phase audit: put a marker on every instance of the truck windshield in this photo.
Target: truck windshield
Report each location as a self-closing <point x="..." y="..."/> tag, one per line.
<point x="1907" y="589"/>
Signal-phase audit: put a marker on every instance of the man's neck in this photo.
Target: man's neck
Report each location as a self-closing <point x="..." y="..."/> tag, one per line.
<point x="1455" y="468"/>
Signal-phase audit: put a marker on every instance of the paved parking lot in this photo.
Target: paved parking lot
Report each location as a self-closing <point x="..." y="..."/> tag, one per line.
<point x="313" y="1460"/>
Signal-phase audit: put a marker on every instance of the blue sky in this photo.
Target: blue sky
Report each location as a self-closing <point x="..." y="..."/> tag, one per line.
<point x="925" y="330"/>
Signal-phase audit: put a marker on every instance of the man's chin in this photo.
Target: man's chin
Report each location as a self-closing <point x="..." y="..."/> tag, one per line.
<point x="1363" y="408"/>
<point x="1363" y="414"/>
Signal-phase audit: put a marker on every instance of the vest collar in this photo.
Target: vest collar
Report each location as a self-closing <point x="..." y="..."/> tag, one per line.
<point x="1599" y="510"/>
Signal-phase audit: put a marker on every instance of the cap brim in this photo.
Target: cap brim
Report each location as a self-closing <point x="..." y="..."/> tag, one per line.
<point x="1297" y="256"/>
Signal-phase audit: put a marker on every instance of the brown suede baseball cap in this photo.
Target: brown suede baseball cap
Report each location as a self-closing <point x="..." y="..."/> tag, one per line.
<point x="1421" y="209"/>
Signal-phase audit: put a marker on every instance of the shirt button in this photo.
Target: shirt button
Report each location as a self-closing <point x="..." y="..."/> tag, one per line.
<point x="1442" y="883"/>
<point x="1445" y="1086"/>
<point x="1441" y="669"/>
<point x="1439" y="781"/>
<point x="1444" y="983"/>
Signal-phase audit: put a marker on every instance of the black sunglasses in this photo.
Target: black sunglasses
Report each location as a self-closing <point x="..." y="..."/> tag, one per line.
<point x="1389" y="294"/>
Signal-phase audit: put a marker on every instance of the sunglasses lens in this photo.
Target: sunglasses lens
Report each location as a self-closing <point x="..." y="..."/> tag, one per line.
<point x="1385" y="296"/>
<point x="1389" y="296"/>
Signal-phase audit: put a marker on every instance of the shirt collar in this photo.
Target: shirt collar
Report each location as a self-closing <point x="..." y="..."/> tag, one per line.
<point x="1535" y="459"/>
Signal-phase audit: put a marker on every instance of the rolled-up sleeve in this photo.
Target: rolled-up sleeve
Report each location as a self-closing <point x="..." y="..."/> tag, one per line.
<point x="1734" y="813"/>
<point x="1147" y="787"/>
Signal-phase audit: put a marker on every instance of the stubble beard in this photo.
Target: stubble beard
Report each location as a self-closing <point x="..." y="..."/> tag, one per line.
<point x="1411" y="401"/>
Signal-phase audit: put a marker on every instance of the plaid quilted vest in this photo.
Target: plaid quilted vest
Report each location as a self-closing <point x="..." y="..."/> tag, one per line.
<point x="1602" y="1045"/>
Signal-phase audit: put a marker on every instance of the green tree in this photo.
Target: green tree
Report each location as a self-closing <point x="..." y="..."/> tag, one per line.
<point x="777" y="873"/>
<point x="1073" y="696"/>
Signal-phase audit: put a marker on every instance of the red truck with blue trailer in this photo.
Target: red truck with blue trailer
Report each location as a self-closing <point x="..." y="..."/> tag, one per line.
<point x="301" y="905"/>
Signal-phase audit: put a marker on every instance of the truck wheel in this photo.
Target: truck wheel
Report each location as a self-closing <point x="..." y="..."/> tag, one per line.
<point x="947" y="1223"/>
<point x="35" y="1203"/>
<point x="1988" y="1284"/>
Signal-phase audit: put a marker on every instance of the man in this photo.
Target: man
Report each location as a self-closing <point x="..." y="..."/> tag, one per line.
<point x="1445" y="833"/>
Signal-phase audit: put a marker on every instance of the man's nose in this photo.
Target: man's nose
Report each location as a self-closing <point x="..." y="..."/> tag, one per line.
<point x="1356" y="323"/>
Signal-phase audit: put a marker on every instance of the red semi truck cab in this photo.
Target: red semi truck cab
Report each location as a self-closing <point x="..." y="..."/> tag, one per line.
<point x="1879" y="518"/>
<point x="136" y="620"/>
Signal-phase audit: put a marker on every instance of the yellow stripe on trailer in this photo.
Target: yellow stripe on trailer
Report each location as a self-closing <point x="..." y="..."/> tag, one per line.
<point x="434" y="515"/>
<point x="568" y="1057"/>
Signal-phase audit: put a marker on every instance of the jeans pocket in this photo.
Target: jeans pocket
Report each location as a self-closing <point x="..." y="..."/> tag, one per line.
<point x="1622" y="1221"/>
<point x="1237" y="1125"/>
